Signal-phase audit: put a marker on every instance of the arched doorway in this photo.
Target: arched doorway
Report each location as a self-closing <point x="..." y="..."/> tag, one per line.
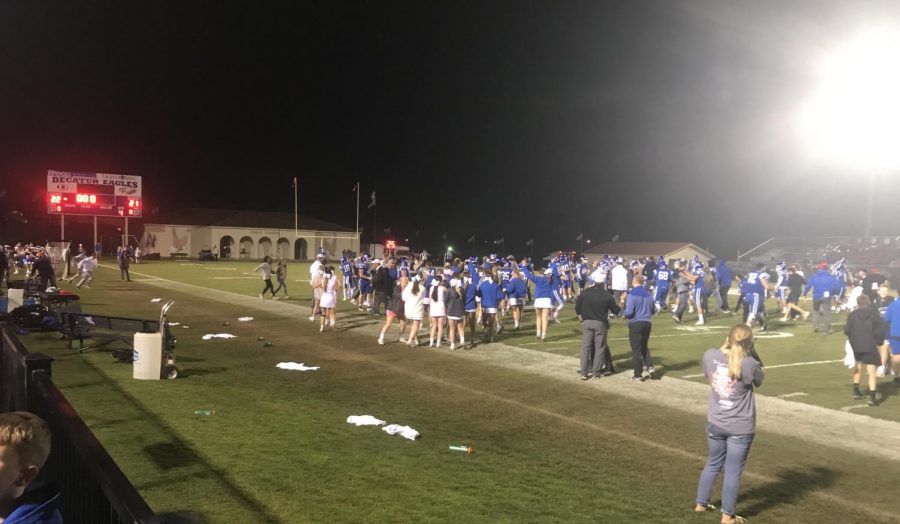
<point x="226" y="247"/>
<point x="300" y="249"/>
<point x="284" y="248"/>
<point x="246" y="247"/>
<point x="264" y="246"/>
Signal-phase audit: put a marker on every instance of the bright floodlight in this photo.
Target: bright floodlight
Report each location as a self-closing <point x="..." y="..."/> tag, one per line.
<point x="853" y="116"/>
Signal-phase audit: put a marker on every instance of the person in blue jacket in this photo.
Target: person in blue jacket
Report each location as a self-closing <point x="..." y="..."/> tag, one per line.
<point x="639" y="314"/>
<point x="543" y="291"/>
<point x="25" y="442"/>
<point x="824" y="286"/>
<point x="516" y="292"/>
<point x="892" y="316"/>
<point x="470" y="284"/>
<point x="491" y="294"/>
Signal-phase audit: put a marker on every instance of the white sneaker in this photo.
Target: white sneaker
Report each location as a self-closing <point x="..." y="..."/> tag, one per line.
<point x="380" y="341"/>
<point x="260" y="296"/>
<point x="311" y="318"/>
<point x="452" y="345"/>
<point x="880" y="371"/>
<point x="700" y="323"/>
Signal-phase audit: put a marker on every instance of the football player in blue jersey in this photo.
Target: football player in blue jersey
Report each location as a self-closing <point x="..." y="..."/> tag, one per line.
<point x="755" y="297"/>
<point x="504" y="273"/>
<point x="364" y="278"/>
<point x="662" y="276"/>
<point x="347" y="272"/>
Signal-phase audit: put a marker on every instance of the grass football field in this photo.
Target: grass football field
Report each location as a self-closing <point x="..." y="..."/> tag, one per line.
<point x="548" y="447"/>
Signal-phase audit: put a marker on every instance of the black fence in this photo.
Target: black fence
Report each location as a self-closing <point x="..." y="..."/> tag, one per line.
<point x="93" y="487"/>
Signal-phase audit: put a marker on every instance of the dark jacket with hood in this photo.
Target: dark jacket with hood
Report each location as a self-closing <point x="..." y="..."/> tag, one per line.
<point x="866" y="330"/>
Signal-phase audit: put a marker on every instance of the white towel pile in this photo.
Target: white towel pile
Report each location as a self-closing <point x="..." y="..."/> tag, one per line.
<point x="155" y="300"/>
<point x="391" y="429"/>
<point x="364" y="420"/>
<point x="245" y="319"/>
<point x="293" y="366"/>
<point x="403" y="431"/>
<point x="210" y="336"/>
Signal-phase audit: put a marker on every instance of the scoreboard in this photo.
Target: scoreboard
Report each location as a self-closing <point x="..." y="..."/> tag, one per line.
<point x="94" y="194"/>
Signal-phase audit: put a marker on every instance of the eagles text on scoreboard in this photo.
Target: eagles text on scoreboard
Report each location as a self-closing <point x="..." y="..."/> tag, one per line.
<point x="93" y="194"/>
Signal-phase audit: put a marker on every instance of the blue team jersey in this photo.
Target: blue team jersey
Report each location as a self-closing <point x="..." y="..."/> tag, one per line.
<point x="505" y="273"/>
<point x="346" y="269"/>
<point x="755" y="279"/>
<point x="662" y="277"/>
<point x="698" y="284"/>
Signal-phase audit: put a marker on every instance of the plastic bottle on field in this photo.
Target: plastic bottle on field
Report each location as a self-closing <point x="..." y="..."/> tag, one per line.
<point x="205" y="412"/>
<point x="465" y="449"/>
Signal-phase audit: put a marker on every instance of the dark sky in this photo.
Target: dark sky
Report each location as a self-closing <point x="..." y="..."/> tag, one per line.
<point x="656" y="120"/>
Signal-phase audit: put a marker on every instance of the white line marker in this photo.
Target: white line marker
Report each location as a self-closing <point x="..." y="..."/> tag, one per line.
<point x="855" y="406"/>
<point x="789" y="395"/>
<point x="782" y="366"/>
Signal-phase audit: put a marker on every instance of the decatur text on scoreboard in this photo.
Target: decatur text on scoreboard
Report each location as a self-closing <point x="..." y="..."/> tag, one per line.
<point x="100" y="194"/>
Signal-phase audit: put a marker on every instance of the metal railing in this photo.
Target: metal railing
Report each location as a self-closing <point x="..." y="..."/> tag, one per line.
<point x="93" y="487"/>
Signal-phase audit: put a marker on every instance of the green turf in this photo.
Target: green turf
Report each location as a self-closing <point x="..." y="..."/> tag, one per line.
<point x="279" y="449"/>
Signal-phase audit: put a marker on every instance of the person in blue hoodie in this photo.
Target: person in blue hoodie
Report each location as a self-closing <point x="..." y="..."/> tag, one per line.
<point x="824" y="286"/>
<point x="639" y="315"/>
<point x="491" y="294"/>
<point x="25" y="442"/>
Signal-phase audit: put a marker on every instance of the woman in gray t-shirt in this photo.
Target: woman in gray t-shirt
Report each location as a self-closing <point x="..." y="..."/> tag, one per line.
<point x="733" y="371"/>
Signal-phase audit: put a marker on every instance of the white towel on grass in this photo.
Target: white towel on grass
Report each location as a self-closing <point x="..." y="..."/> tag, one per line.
<point x="293" y="366"/>
<point x="174" y="323"/>
<point x="210" y="336"/>
<point x="155" y="300"/>
<point x="364" y="420"/>
<point x="403" y="431"/>
<point x="245" y="319"/>
<point x="849" y="357"/>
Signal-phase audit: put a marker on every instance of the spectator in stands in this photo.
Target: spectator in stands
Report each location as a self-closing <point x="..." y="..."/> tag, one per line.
<point x="865" y="330"/>
<point x="24" y="446"/>
<point x="733" y="371"/>
<point x="823" y="285"/>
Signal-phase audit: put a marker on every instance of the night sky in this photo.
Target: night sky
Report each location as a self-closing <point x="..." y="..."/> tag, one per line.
<point x="654" y="120"/>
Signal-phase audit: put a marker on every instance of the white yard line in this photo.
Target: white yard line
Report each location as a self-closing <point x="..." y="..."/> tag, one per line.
<point x="789" y="395"/>
<point x="794" y="364"/>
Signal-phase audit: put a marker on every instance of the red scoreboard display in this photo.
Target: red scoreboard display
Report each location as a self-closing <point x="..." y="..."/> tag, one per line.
<point x="94" y="194"/>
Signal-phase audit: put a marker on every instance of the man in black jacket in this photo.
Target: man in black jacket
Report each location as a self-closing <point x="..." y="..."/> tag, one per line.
<point x="593" y="308"/>
<point x="382" y="285"/>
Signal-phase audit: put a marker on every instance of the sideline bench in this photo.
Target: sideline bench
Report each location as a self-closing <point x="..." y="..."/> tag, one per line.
<point x="103" y="329"/>
<point x="179" y="256"/>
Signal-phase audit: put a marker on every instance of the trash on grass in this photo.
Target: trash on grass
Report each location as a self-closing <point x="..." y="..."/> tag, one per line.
<point x="210" y="336"/>
<point x="465" y="449"/>
<point x="364" y="420"/>
<point x="404" y="431"/>
<point x="245" y="319"/>
<point x="205" y="412"/>
<point x="155" y="300"/>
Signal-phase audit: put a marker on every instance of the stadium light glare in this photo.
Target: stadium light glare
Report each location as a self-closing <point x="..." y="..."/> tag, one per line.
<point x="852" y="117"/>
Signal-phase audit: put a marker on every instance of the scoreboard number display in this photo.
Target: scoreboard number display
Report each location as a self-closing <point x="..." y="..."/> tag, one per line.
<point x="94" y="194"/>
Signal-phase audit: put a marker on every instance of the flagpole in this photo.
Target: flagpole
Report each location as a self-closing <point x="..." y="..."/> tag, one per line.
<point x="375" y="223"/>
<point x="296" y="206"/>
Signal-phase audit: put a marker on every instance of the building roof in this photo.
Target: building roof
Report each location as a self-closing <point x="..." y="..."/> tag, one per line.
<point x="235" y="218"/>
<point x="642" y="248"/>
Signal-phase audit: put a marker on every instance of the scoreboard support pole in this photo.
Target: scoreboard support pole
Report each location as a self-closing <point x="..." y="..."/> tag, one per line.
<point x="95" y="230"/>
<point x="62" y="227"/>
<point x="125" y="238"/>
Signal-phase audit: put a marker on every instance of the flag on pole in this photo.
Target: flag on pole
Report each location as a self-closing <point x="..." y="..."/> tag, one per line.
<point x="355" y="187"/>
<point x="499" y="240"/>
<point x="615" y="238"/>
<point x="372" y="203"/>
<point x="579" y="237"/>
<point x="530" y="242"/>
<point x="295" y="182"/>
<point x="471" y="239"/>
<point x="444" y="236"/>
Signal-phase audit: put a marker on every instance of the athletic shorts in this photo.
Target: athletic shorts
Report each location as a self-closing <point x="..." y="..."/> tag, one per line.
<point x="782" y="292"/>
<point x="752" y="301"/>
<point x="317" y="293"/>
<point x="471" y="311"/>
<point x="455" y="318"/>
<point x="365" y="287"/>
<point x="793" y="298"/>
<point x="895" y="346"/>
<point x="489" y="310"/>
<point x="870" y="358"/>
<point x="513" y="301"/>
<point x="543" y="303"/>
<point x="557" y="298"/>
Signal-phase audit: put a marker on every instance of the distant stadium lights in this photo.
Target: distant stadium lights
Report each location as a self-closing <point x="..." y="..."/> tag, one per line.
<point x="852" y="117"/>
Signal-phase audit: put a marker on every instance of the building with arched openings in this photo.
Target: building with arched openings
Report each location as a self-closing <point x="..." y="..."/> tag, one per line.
<point x="245" y="235"/>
